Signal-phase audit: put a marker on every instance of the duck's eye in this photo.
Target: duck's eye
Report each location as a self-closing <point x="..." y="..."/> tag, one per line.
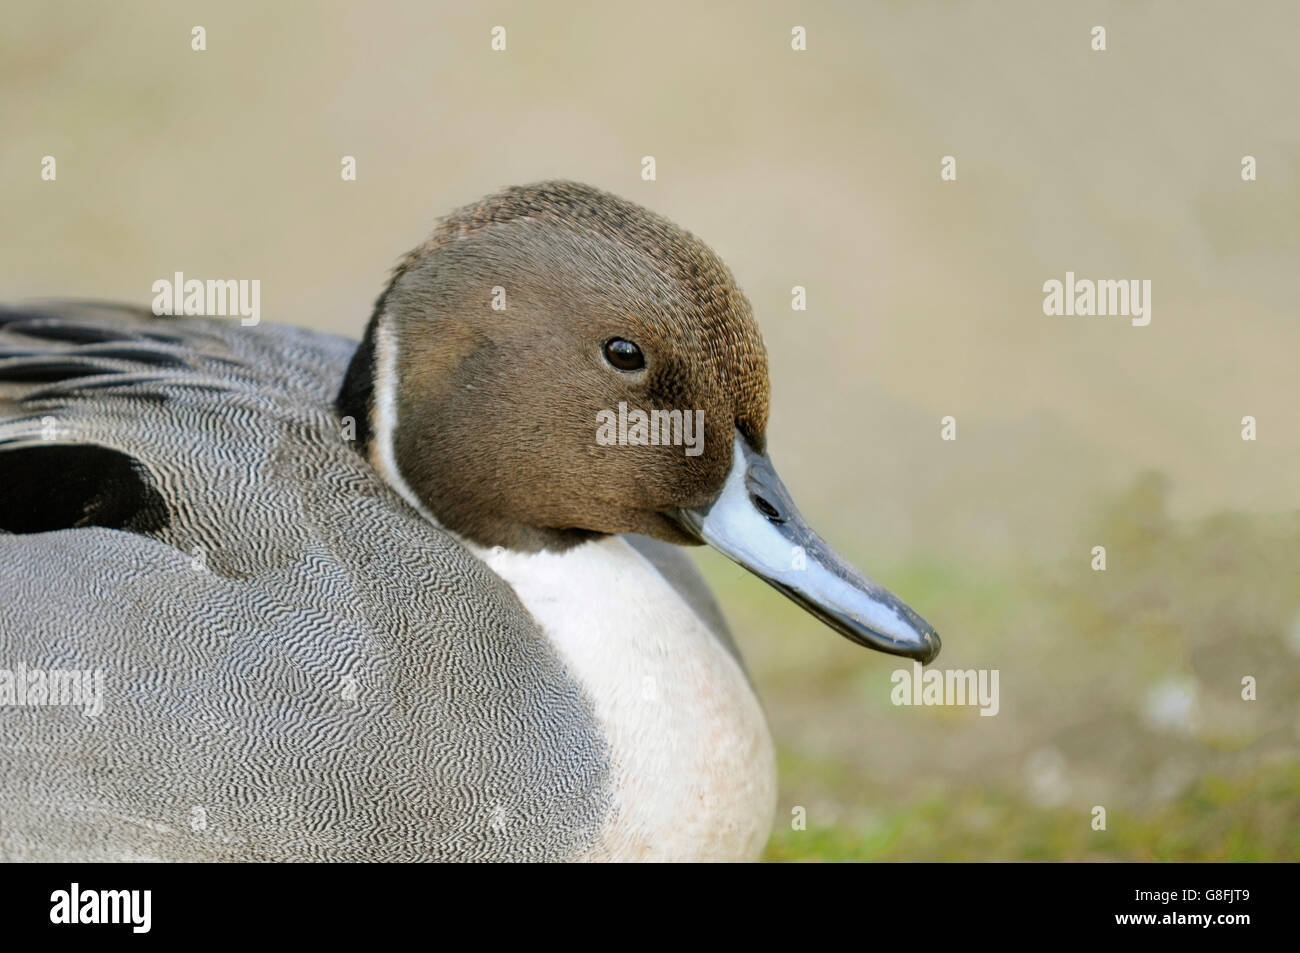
<point x="624" y="355"/>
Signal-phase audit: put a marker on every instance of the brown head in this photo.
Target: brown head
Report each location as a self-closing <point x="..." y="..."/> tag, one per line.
<point x="503" y="370"/>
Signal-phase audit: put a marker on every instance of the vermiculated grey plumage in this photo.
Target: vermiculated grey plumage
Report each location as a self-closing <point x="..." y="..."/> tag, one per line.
<point x="295" y="651"/>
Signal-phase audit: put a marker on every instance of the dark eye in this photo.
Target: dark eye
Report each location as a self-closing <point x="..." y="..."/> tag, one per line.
<point x="624" y="355"/>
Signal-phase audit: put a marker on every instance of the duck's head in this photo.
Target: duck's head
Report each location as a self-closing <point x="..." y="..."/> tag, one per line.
<point x="501" y="381"/>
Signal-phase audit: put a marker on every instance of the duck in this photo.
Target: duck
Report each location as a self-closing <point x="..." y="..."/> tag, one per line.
<point x="397" y="600"/>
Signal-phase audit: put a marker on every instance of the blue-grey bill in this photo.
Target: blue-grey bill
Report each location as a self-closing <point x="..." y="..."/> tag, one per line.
<point x="755" y="523"/>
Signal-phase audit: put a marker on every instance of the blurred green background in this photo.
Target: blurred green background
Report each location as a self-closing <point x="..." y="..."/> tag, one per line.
<point x="821" y="168"/>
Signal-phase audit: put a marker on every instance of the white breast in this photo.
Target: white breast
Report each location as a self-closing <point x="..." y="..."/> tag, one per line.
<point x="694" y="769"/>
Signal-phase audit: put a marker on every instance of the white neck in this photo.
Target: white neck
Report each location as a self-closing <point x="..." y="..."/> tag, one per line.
<point x="693" y="765"/>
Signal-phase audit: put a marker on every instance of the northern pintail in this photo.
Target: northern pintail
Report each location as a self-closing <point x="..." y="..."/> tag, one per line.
<point x="403" y="601"/>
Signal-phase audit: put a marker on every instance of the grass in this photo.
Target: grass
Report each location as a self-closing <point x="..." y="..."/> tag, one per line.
<point x="1255" y="818"/>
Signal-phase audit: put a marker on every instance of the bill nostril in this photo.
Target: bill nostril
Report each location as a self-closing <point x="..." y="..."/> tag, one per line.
<point x="767" y="509"/>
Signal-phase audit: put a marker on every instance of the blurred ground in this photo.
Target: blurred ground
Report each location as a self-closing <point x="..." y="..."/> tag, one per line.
<point x="821" y="169"/>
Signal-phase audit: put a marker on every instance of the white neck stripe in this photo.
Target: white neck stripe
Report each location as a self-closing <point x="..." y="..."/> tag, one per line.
<point x="383" y="423"/>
